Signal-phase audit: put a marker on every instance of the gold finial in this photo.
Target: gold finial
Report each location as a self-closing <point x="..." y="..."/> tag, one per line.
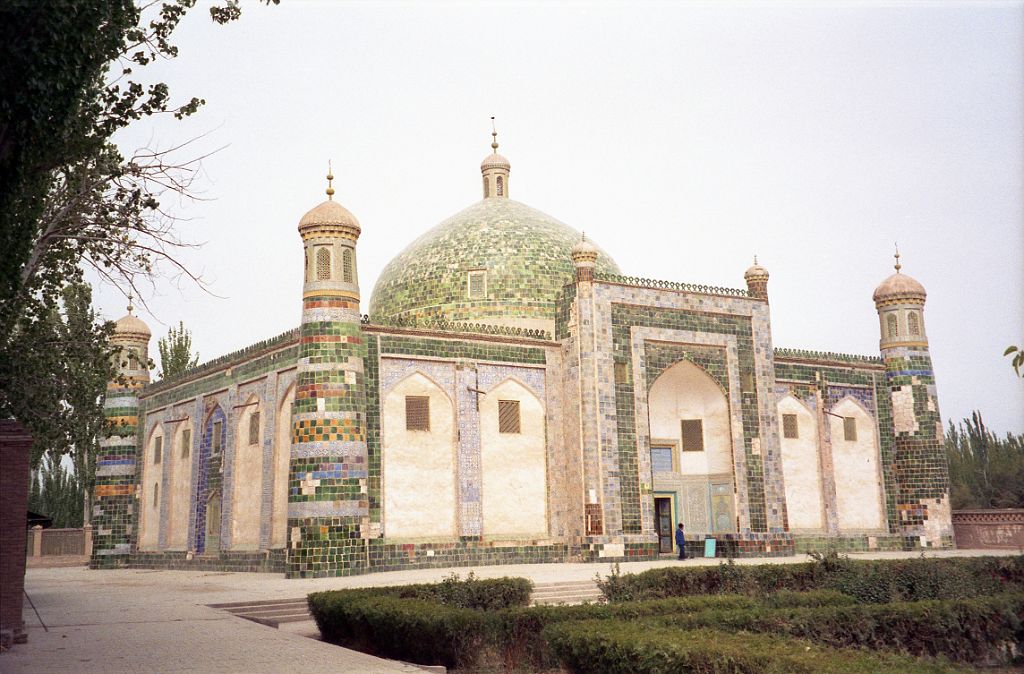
<point x="494" y="136"/>
<point x="755" y="259"/>
<point x="330" y="177"/>
<point x="897" y="256"/>
<point x="130" y="307"/>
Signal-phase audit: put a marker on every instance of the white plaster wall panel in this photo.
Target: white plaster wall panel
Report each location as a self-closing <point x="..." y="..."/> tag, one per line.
<point x="858" y="495"/>
<point x="801" y="468"/>
<point x="903" y="417"/>
<point x="181" y="483"/>
<point x="418" y="466"/>
<point x="247" y="480"/>
<point x="152" y="473"/>
<point x="281" y="456"/>
<point x="684" y="391"/>
<point x="514" y="471"/>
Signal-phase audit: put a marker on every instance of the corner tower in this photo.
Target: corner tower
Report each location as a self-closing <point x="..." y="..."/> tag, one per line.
<point x="923" y="504"/>
<point x="328" y="510"/>
<point x="757" y="281"/>
<point x="114" y="512"/>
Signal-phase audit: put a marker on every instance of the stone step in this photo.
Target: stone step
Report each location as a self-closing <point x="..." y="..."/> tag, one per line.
<point x="259" y="602"/>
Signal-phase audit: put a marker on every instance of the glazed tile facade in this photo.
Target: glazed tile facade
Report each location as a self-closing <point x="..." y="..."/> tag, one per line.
<point x="583" y="344"/>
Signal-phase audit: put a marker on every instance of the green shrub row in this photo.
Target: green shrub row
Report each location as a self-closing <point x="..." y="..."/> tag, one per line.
<point x="876" y="581"/>
<point x="644" y="648"/>
<point x="987" y="630"/>
<point x="400" y="623"/>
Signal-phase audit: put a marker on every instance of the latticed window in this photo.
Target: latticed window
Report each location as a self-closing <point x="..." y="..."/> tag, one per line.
<point x="347" y="265"/>
<point x="508" y="416"/>
<point x="487" y="187"/>
<point x="477" y="285"/>
<point x="158" y="449"/>
<point x="254" y="428"/>
<point x="417" y="413"/>
<point x="789" y="426"/>
<point x="323" y="264"/>
<point x="913" y="323"/>
<point x="891" y="325"/>
<point x="186" y="443"/>
<point x="501" y="186"/>
<point x="850" y="429"/>
<point x="693" y="435"/>
<point x="661" y="459"/>
<point x="215" y="440"/>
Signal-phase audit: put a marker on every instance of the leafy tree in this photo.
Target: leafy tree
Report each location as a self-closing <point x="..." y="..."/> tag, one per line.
<point x="176" y="352"/>
<point x="69" y="199"/>
<point x="984" y="471"/>
<point x="56" y="492"/>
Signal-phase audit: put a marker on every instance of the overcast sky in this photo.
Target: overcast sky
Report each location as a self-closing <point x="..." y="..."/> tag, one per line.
<point x="683" y="138"/>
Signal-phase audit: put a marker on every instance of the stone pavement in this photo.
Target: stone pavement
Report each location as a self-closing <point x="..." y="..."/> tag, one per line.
<point x="137" y="620"/>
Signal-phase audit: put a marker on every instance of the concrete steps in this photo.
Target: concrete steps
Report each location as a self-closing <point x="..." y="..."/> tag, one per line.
<point x="270" y="612"/>
<point x="276" y="612"/>
<point x="575" y="592"/>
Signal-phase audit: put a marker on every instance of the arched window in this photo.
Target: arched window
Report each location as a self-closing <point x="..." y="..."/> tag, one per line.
<point x="323" y="264"/>
<point x="913" y="323"/>
<point x="487" y="187"/>
<point x="347" y="265"/>
<point x="891" y="326"/>
<point x="501" y="186"/>
<point x="156" y="493"/>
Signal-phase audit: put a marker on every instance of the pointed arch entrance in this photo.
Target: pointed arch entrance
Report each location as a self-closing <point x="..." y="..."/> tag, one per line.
<point x="691" y="453"/>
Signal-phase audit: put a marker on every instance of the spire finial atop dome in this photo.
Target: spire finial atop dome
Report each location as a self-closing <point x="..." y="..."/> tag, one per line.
<point x="494" y="136"/>
<point x="495" y="169"/>
<point x="897" y="256"/>
<point x="130" y="307"/>
<point x="330" y="179"/>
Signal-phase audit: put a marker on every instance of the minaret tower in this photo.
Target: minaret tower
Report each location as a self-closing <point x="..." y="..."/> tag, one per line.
<point x="114" y="511"/>
<point x="328" y="511"/>
<point x="922" y="504"/>
<point x="757" y="281"/>
<point x="495" y="169"/>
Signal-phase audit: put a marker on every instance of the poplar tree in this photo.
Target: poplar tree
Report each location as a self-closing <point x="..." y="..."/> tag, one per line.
<point x="176" y="352"/>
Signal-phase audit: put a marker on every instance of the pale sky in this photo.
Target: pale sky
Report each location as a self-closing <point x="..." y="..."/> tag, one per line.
<point x="683" y="138"/>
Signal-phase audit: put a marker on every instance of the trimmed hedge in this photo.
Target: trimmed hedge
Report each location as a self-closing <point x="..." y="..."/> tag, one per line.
<point x="876" y="581"/>
<point x="645" y="648"/>
<point x="988" y="630"/>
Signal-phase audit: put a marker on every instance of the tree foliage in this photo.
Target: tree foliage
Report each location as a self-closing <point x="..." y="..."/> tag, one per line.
<point x="1017" y="359"/>
<point x="984" y="470"/>
<point x="176" y="352"/>
<point x="56" y="492"/>
<point x="69" y="199"/>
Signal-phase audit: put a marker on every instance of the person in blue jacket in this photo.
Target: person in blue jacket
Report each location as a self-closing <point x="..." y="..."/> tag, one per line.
<point x="680" y="541"/>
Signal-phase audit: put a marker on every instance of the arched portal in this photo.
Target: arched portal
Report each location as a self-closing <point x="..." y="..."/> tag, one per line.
<point x="210" y="480"/>
<point x="279" y="466"/>
<point x="418" y="450"/>
<point x="691" y="453"/>
<point x="801" y="467"/>
<point x="856" y="465"/>
<point x="149" y="500"/>
<point x="247" y="479"/>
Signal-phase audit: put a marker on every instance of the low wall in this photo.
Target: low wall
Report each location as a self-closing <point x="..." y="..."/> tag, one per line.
<point x="989" y="529"/>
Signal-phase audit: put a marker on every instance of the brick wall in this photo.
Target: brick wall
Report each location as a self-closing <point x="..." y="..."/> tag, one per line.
<point x="14" y="459"/>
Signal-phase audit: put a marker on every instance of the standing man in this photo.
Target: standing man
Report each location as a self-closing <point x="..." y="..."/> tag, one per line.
<point x="681" y="541"/>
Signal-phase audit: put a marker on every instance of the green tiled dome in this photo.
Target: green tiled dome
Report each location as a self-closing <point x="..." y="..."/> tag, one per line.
<point x="526" y="255"/>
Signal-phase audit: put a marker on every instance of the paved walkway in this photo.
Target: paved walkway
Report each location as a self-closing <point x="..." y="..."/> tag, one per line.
<point x="140" y="620"/>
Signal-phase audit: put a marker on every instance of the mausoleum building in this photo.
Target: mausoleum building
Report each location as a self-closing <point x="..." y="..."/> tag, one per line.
<point x="511" y="396"/>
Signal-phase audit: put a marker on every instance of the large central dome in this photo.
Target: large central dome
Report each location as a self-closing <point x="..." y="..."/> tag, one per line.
<point x="498" y="262"/>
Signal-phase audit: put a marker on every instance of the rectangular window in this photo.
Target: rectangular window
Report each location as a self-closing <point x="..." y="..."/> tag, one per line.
<point x="186" y="442"/>
<point x="158" y="449"/>
<point x="215" y="440"/>
<point x="789" y="426"/>
<point x="621" y="373"/>
<point x="477" y="285"/>
<point x="850" y="429"/>
<point x="693" y="435"/>
<point x="508" y="416"/>
<point x="254" y="428"/>
<point x="661" y="459"/>
<point x="417" y="413"/>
